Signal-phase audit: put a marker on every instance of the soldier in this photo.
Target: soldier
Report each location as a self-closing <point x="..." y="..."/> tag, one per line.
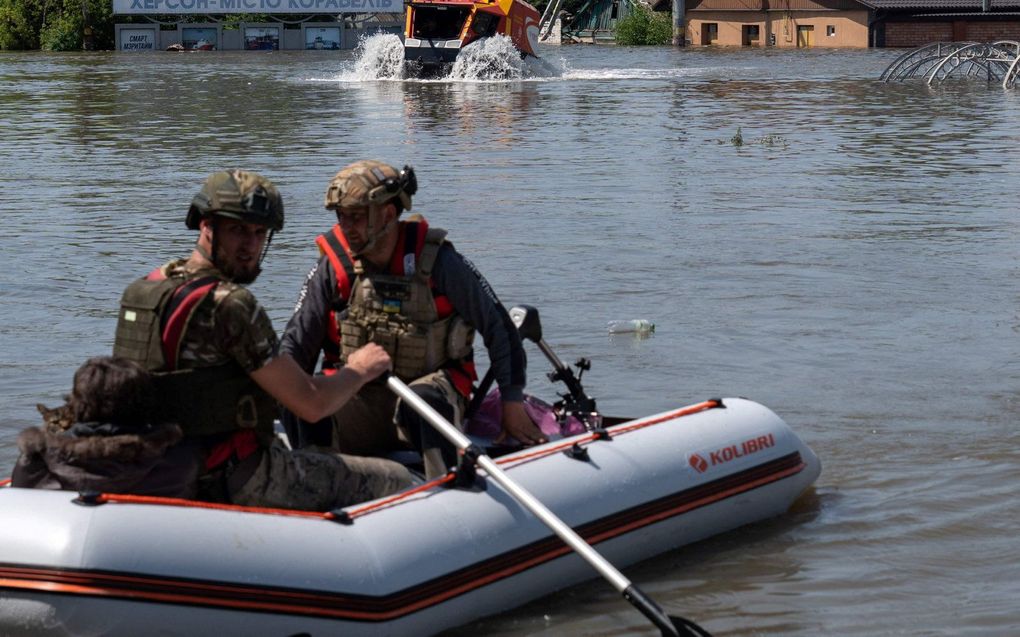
<point x="211" y="348"/>
<point x="402" y="285"/>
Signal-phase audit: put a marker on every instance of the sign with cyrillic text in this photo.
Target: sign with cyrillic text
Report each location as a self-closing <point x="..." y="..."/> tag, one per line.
<point x="184" y="7"/>
<point x="137" y="39"/>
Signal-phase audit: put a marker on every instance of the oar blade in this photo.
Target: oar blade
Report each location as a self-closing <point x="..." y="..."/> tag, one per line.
<point x="670" y="625"/>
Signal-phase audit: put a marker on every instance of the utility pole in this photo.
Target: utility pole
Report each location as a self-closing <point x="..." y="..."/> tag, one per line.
<point x="679" y="37"/>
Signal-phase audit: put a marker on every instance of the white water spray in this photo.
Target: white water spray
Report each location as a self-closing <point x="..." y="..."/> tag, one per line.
<point x="377" y="57"/>
<point x="493" y="58"/>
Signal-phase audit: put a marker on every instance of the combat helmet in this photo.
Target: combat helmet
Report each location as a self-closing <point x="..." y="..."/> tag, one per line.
<point x="238" y="194"/>
<point x="370" y="183"/>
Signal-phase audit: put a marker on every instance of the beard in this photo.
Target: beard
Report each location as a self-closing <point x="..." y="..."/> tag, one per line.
<point x="242" y="273"/>
<point x="243" y="276"/>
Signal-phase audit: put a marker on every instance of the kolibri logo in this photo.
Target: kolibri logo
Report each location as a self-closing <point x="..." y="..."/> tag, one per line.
<point x="732" y="452"/>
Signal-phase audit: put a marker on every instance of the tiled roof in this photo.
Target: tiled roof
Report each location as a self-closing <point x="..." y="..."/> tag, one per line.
<point x="968" y="14"/>
<point x="973" y="5"/>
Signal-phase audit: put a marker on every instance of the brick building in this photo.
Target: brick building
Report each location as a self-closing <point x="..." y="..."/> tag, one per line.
<point x="909" y="23"/>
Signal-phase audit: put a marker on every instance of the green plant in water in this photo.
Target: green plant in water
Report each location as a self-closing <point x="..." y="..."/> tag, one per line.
<point x="642" y="26"/>
<point x="738" y="139"/>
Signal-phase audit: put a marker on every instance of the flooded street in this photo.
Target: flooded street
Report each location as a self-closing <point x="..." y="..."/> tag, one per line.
<point x="854" y="265"/>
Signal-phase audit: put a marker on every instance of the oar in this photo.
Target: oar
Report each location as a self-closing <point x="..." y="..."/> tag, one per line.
<point x="670" y="626"/>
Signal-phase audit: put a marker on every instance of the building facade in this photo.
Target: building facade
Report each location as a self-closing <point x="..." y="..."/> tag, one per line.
<point x="846" y="23"/>
<point x="329" y="25"/>
<point x="777" y="23"/>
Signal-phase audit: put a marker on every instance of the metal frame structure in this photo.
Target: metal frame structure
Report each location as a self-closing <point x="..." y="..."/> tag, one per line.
<point x="936" y="62"/>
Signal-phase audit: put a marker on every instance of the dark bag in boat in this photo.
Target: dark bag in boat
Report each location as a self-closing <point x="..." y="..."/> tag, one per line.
<point x="487" y="421"/>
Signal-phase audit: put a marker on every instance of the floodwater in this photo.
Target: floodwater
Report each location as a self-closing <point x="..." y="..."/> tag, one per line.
<point x="853" y="265"/>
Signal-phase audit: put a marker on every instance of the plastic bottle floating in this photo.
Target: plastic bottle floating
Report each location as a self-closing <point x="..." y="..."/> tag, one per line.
<point x="637" y="326"/>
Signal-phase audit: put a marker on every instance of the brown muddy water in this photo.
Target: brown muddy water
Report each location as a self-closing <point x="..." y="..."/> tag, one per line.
<point x="853" y="265"/>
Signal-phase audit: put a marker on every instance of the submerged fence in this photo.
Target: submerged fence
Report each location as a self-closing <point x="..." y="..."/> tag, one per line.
<point x="939" y="61"/>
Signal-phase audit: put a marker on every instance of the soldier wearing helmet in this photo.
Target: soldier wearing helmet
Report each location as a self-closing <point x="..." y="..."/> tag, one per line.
<point x="402" y="285"/>
<point x="212" y="350"/>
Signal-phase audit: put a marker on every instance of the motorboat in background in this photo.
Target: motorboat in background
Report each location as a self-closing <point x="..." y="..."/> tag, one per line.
<point x="437" y="30"/>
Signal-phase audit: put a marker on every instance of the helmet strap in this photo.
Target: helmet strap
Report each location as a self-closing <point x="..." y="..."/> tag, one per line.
<point x="372" y="236"/>
<point x="265" y="248"/>
<point x="202" y="251"/>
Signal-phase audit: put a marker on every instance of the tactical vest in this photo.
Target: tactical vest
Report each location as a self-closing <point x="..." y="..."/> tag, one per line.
<point x="400" y="310"/>
<point x="155" y="312"/>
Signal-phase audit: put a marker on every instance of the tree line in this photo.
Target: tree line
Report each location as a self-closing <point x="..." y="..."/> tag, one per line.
<point x="56" y="25"/>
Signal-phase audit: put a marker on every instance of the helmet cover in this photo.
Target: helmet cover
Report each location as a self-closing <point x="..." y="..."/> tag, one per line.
<point x="238" y="194"/>
<point x="367" y="182"/>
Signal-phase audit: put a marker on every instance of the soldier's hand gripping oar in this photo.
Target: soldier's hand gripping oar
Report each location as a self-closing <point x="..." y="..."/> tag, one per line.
<point x="670" y="626"/>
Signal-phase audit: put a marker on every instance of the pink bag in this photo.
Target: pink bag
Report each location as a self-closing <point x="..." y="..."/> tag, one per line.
<point x="486" y="423"/>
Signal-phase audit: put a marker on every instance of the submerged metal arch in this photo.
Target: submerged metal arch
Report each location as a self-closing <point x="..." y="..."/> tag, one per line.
<point x="939" y="61"/>
<point x="991" y="61"/>
<point x="917" y="62"/>
<point x="1009" y="81"/>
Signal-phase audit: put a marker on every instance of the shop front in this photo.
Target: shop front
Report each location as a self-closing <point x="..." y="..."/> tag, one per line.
<point x="311" y="25"/>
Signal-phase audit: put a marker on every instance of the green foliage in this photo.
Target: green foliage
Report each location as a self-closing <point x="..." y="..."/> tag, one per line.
<point x="64" y="33"/>
<point x="642" y="26"/>
<point x="20" y="21"/>
<point x="56" y="25"/>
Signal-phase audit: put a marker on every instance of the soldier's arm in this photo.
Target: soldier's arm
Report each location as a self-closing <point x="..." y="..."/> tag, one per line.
<point x="248" y="337"/>
<point x="473" y="298"/>
<point x="313" y="398"/>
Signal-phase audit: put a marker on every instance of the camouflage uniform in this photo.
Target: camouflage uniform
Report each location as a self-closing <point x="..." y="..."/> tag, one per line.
<point x="230" y="324"/>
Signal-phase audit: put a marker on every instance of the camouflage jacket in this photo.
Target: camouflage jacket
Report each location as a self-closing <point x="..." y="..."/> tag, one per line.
<point x="228" y="325"/>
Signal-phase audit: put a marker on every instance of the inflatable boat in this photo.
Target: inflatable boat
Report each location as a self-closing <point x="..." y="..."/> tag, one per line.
<point x="490" y="536"/>
<point x="436" y="31"/>
<point x="413" y="564"/>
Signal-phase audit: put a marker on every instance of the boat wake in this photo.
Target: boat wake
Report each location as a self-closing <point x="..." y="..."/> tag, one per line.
<point x="378" y="57"/>
<point x="493" y="59"/>
<point x="381" y="58"/>
<point x="496" y="59"/>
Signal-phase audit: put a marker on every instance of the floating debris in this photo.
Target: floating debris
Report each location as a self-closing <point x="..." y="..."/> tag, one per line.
<point x="767" y="140"/>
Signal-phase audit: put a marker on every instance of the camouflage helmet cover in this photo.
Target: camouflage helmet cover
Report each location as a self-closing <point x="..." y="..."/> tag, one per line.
<point x="369" y="182"/>
<point x="238" y="194"/>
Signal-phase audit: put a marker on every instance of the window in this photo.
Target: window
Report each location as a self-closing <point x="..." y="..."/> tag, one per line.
<point x="709" y="33"/>
<point x="438" y="22"/>
<point x="830" y="30"/>
<point x="262" y="38"/>
<point x="751" y="34"/>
